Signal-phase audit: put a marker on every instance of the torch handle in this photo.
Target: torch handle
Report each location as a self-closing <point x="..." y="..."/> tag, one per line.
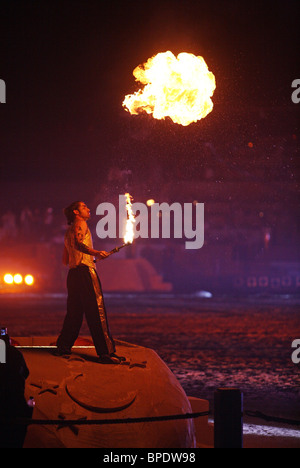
<point x="115" y="250"/>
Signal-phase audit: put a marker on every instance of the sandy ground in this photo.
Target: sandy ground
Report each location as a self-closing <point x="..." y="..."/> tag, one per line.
<point x="206" y="344"/>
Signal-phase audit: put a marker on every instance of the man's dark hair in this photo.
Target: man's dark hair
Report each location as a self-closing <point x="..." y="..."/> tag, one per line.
<point x="69" y="211"/>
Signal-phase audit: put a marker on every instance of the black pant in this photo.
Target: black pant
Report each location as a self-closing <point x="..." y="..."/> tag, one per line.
<point x="85" y="297"/>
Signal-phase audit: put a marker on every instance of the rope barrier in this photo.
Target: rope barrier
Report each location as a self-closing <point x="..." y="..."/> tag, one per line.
<point x="258" y="414"/>
<point x="87" y="422"/>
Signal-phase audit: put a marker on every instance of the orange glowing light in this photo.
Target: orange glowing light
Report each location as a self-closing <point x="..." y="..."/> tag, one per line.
<point x="29" y="280"/>
<point x="8" y="278"/>
<point x="18" y="279"/>
<point x="177" y="87"/>
<point x="129" y="231"/>
<point x="150" y="202"/>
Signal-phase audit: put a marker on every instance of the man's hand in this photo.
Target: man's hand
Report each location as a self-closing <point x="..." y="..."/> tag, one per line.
<point x="101" y="254"/>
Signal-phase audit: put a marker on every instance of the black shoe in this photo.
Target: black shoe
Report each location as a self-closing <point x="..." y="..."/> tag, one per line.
<point x="121" y="358"/>
<point x="108" y="359"/>
<point x="61" y="352"/>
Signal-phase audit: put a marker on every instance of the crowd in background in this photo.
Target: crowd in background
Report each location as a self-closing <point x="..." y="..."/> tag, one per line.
<point x="30" y="225"/>
<point x="250" y="196"/>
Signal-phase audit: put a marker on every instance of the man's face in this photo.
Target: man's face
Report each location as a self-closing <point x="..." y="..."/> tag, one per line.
<point x="83" y="211"/>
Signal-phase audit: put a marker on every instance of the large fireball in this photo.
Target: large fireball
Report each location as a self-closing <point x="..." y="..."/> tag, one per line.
<point x="177" y="87"/>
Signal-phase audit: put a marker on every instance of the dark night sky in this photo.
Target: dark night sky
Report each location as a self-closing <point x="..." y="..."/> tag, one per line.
<point x="68" y="65"/>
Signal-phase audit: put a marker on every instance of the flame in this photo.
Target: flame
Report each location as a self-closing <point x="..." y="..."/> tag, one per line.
<point x="177" y="87"/>
<point x="129" y="232"/>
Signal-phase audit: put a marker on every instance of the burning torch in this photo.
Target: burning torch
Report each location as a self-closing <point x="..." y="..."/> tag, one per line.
<point x="129" y="232"/>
